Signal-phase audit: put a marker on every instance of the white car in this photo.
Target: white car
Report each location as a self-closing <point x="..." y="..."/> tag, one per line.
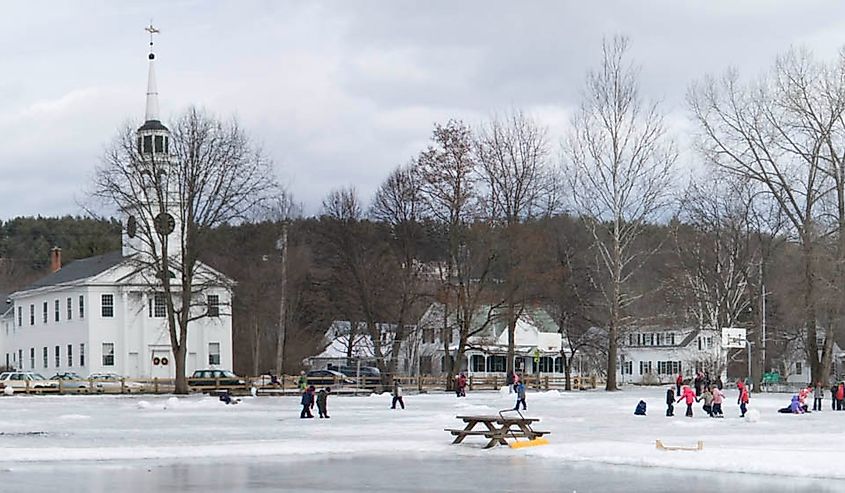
<point x="20" y="380"/>
<point x="111" y="382"/>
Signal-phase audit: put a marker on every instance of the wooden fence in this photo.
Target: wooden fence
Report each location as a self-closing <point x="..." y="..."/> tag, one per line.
<point x="289" y="385"/>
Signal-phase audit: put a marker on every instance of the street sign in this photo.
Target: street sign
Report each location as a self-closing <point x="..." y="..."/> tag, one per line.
<point x="733" y="337"/>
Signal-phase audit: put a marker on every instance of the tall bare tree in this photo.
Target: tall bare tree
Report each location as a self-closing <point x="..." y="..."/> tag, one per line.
<point x="208" y="175"/>
<point x="620" y="168"/>
<point x="776" y="132"/>
<point x="512" y="152"/>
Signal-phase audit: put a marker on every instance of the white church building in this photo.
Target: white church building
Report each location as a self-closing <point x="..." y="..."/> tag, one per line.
<point x="101" y="314"/>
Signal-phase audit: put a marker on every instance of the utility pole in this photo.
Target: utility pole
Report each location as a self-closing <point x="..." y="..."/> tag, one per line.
<point x="763" y="318"/>
<point x="282" y="246"/>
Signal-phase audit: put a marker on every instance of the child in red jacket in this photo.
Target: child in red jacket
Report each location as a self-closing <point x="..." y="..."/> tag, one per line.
<point x="742" y="400"/>
<point x="689" y="396"/>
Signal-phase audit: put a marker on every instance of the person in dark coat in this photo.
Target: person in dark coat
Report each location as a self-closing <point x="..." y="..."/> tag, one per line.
<point x="640" y="410"/>
<point x="322" y="397"/>
<point x="678" y="382"/>
<point x="697" y="384"/>
<point x="520" y="396"/>
<point x="307" y="403"/>
<point x="670" y="402"/>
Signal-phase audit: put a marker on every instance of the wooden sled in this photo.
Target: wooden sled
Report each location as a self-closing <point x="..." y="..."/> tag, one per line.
<point x="699" y="446"/>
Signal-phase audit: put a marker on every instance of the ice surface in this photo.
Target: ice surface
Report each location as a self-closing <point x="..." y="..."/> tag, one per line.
<point x="587" y="428"/>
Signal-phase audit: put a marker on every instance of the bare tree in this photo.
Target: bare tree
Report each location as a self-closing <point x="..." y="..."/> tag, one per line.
<point x="512" y="152"/>
<point x="202" y="174"/>
<point x="776" y="133"/>
<point x="620" y="167"/>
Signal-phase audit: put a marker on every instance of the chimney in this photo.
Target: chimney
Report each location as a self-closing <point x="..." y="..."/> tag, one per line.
<point x="55" y="259"/>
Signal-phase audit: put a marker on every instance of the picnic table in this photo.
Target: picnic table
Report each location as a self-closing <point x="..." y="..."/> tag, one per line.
<point x="497" y="429"/>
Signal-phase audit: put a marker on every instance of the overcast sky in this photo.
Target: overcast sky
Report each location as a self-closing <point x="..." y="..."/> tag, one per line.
<point x="339" y="93"/>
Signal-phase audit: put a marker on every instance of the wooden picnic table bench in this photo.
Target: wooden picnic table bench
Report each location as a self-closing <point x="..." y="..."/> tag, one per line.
<point x="498" y="429"/>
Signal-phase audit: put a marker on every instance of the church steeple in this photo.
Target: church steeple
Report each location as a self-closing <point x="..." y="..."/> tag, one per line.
<point x="152" y="120"/>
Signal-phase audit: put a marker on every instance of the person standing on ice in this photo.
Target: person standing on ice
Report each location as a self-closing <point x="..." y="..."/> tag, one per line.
<point x="307" y="403"/>
<point x="818" y="396"/>
<point x="520" y="396"/>
<point x="697" y="382"/>
<point x="742" y="400"/>
<point x="718" y="398"/>
<point x="678" y="382"/>
<point x="707" y="397"/>
<point x="322" y="398"/>
<point x="689" y="397"/>
<point x="516" y="381"/>
<point x="670" y="402"/>
<point x="302" y="382"/>
<point x="462" y="385"/>
<point x="840" y="397"/>
<point x="833" y="388"/>
<point x="397" y="395"/>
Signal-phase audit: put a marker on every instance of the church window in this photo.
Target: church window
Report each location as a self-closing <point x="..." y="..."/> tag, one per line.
<point x="32" y="358"/>
<point x="159" y="141"/>
<point x="58" y="356"/>
<point x="213" y="305"/>
<point x="107" y="305"/>
<point x="70" y="355"/>
<point x="108" y="354"/>
<point x="139" y="145"/>
<point x="70" y="308"/>
<point x="44" y="312"/>
<point x="159" y="307"/>
<point x="213" y="353"/>
<point x="45" y="356"/>
<point x="81" y="307"/>
<point x="56" y="310"/>
<point x="148" y="144"/>
<point x="20" y="319"/>
<point x="82" y="355"/>
<point x="166" y="145"/>
<point x="31" y="314"/>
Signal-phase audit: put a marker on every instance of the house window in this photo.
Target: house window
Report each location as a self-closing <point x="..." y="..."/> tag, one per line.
<point x="107" y="305"/>
<point x="31" y="314"/>
<point x="70" y="308"/>
<point x="20" y="319"/>
<point x="45" y="357"/>
<point x="446" y="335"/>
<point x="547" y="364"/>
<point x="58" y="356"/>
<point x="81" y="307"/>
<point x="70" y="354"/>
<point x="477" y="363"/>
<point x="158" y="308"/>
<point x="428" y="335"/>
<point x="213" y="305"/>
<point x="82" y="355"/>
<point x="108" y="354"/>
<point x="32" y="358"/>
<point x="44" y="312"/>
<point x="628" y="368"/>
<point x="56" y="310"/>
<point x="645" y="367"/>
<point x="213" y="353"/>
<point x="671" y="336"/>
<point x="799" y="367"/>
<point x="659" y="339"/>
<point x="496" y="363"/>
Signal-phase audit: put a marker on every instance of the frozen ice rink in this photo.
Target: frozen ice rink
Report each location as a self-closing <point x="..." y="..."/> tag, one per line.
<point x="103" y="443"/>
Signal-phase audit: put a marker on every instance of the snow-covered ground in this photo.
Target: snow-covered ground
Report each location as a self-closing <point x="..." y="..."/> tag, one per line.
<point x="595" y="428"/>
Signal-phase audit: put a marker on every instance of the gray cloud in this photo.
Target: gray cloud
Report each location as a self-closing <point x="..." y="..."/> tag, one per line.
<point x="341" y="92"/>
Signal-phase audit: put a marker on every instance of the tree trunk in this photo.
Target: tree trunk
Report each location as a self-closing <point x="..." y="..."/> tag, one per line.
<point x="511" y="331"/>
<point x="810" y="343"/>
<point x="256" y="346"/>
<point x="567" y="370"/>
<point x="181" y="378"/>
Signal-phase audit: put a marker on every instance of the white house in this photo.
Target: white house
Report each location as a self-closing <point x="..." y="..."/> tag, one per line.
<point x="652" y="355"/>
<point x="102" y="313"/>
<point x="342" y="346"/>
<point x="536" y="337"/>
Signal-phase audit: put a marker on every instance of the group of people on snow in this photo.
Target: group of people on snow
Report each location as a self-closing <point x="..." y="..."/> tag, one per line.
<point x="311" y="396"/>
<point x="703" y="390"/>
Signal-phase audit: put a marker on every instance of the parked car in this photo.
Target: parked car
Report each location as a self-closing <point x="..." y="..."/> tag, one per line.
<point x="210" y="378"/>
<point x="71" y="380"/>
<point x="324" y="378"/>
<point x="367" y="372"/>
<point x="112" y="382"/>
<point x="18" y="380"/>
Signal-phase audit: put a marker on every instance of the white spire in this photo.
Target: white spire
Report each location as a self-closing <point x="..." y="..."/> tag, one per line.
<point x="152" y="93"/>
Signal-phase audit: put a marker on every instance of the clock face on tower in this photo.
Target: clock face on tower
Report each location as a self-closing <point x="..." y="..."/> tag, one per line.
<point x="131" y="227"/>
<point x="164" y="223"/>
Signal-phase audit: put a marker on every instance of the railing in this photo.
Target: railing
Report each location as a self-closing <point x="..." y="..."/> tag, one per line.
<point x="289" y="384"/>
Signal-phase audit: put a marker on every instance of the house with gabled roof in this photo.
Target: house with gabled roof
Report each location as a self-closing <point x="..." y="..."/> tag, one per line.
<point x="657" y="354"/>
